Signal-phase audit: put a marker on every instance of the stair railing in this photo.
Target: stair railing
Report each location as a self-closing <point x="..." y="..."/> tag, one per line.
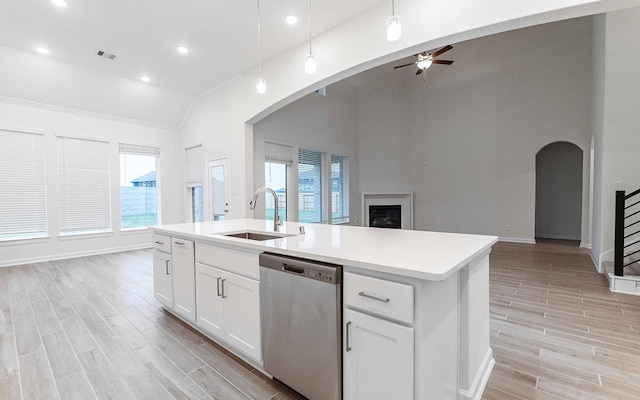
<point x="627" y="216"/>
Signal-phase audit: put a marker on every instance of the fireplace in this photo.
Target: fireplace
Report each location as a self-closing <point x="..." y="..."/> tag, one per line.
<point x="387" y="210"/>
<point x="385" y="216"/>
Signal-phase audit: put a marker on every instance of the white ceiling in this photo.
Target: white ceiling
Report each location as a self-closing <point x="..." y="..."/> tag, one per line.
<point x="144" y="34"/>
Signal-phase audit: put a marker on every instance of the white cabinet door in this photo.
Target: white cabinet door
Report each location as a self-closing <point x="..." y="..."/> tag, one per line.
<point x="378" y="358"/>
<point x="209" y="300"/>
<point x="184" y="283"/>
<point x="229" y="307"/>
<point x="163" y="278"/>
<point x="242" y="314"/>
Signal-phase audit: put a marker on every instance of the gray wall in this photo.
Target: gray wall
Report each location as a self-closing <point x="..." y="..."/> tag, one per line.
<point x="465" y="140"/>
<point x="559" y="191"/>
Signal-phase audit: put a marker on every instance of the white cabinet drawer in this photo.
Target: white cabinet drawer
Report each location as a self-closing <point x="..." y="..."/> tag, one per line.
<point x="238" y="262"/>
<point x="161" y="242"/>
<point x="389" y="299"/>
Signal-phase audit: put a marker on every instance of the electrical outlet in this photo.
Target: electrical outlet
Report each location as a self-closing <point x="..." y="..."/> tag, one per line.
<point x="508" y="228"/>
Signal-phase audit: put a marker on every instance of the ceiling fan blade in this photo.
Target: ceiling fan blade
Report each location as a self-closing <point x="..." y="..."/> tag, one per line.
<point x="419" y="71"/>
<point x="446" y="62"/>
<point x="405" y="65"/>
<point x="442" y="50"/>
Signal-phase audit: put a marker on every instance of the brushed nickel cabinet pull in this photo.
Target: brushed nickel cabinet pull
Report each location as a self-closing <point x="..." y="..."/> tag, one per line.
<point x="223" y="294"/>
<point x="160" y="243"/>
<point x="218" y="286"/>
<point x="348" y="334"/>
<point x="166" y="262"/>
<point x="370" y="296"/>
<point x="179" y="243"/>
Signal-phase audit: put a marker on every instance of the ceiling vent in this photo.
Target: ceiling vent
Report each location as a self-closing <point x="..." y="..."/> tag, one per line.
<point x="106" y="55"/>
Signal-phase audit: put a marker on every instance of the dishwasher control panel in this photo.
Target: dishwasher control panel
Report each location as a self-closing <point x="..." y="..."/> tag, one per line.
<point x="328" y="277"/>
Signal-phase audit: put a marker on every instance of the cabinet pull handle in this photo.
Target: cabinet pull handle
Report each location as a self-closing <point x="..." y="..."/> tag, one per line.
<point x="166" y="264"/>
<point x="223" y="295"/>
<point x="218" y="286"/>
<point x="370" y="296"/>
<point x="158" y="242"/>
<point x="179" y="243"/>
<point x="348" y="334"/>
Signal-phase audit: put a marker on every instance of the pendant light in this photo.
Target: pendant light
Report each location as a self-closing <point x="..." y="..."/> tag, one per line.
<point x="261" y="83"/>
<point x="394" y="30"/>
<point x="310" y="62"/>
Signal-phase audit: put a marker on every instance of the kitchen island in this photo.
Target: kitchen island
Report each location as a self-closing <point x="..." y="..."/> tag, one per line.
<point x="427" y="339"/>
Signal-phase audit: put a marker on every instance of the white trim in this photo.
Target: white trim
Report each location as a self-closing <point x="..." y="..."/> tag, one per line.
<point x="23" y="130"/>
<point x="80" y="137"/>
<point x="558" y="237"/>
<point x="71" y="235"/>
<point x="405" y="199"/>
<point x="63" y="256"/>
<point x="585" y="245"/>
<point x="598" y="266"/>
<point x="89" y="113"/>
<point x="516" y="240"/>
<point x="480" y="380"/>
<point x="16" y="241"/>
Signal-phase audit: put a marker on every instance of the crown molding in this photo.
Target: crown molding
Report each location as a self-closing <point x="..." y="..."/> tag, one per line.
<point x="84" y="113"/>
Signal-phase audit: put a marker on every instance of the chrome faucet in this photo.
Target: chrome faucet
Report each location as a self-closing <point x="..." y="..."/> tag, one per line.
<point x="276" y="215"/>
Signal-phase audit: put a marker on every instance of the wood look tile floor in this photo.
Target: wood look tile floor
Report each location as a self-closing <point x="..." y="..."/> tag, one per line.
<point x="90" y="328"/>
<point x="557" y="332"/>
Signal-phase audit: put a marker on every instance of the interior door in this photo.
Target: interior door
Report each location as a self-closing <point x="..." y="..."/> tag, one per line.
<point x="218" y="182"/>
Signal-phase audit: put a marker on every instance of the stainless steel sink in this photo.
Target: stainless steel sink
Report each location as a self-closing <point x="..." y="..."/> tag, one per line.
<point x="255" y="236"/>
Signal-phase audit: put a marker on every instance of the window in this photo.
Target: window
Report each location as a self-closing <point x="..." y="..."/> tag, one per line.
<point x="275" y="177"/>
<point x="84" y="190"/>
<point x="339" y="199"/>
<point x="138" y="186"/>
<point x="195" y="168"/>
<point x="278" y="160"/>
<point x="23" y="207"/>
<point x="309" y="186"/>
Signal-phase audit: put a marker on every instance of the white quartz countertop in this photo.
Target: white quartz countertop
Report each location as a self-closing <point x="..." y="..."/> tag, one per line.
<point x="418" y="254"/>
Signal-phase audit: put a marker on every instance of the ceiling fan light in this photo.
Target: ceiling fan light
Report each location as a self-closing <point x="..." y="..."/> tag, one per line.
<point x="424" y="63"/>
<point x="310" y="65"/>
<point x="394" y="29"/>
<point x="261" y="85"/>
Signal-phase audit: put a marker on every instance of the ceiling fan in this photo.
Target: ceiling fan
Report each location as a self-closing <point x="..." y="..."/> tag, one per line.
<point x="424" y="60"/>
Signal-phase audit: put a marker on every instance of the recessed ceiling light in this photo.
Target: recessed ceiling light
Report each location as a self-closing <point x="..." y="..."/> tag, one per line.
<point x="145" y="79"/>
<point x="291" y="19"/>
<point x="60" y="3"/>
<point x="42" y="50"/>
<point x="182" y="50"/>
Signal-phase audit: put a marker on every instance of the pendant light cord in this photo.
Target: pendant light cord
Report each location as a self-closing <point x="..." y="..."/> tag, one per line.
<point x="393" y="7"/>
<point x="259" y="44"/>
<point x="310" y="52"/>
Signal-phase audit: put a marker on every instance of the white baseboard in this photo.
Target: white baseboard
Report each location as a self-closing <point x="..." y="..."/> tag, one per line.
<point x="596" y="263"/>
<point x="480" y="380"/>
<point x="517" y="240"/>
<point x="585" y="245"/>
<point x="557" y="236"/>
<point x="52" y="257"/>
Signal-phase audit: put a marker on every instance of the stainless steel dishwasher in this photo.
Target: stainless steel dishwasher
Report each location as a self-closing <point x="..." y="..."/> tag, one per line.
<point x="301" y="321"/>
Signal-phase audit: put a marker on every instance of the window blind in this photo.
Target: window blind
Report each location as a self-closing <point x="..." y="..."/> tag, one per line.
<point x="84" y="187"/>
<point x="23" y="206"/>
<point x="274" y="152"/>
<point x="309" y="186"/>
<point x="195" y="166"/>
<point x="126" y="148"/>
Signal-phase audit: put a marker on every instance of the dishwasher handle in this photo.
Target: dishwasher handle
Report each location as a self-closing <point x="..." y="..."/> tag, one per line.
<point x="292" y="268"/>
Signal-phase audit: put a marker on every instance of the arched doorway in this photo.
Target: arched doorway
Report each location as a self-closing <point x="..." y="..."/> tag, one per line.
<point x="559" y="191"/>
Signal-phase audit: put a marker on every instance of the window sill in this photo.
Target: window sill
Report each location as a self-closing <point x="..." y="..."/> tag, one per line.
<point x="14" y="241"/>
<point x="84" y="235"/>
<point x="134" y="231"/>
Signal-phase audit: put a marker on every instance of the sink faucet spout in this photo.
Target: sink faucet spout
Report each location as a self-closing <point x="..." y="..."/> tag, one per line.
<point x="276" y="215"/>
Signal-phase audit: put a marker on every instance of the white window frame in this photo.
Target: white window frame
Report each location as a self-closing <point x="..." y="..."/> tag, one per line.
<point x="144" y="150"/>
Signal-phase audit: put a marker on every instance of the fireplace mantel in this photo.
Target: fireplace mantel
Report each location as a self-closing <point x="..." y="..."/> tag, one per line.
<point x="388" y="199"/>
